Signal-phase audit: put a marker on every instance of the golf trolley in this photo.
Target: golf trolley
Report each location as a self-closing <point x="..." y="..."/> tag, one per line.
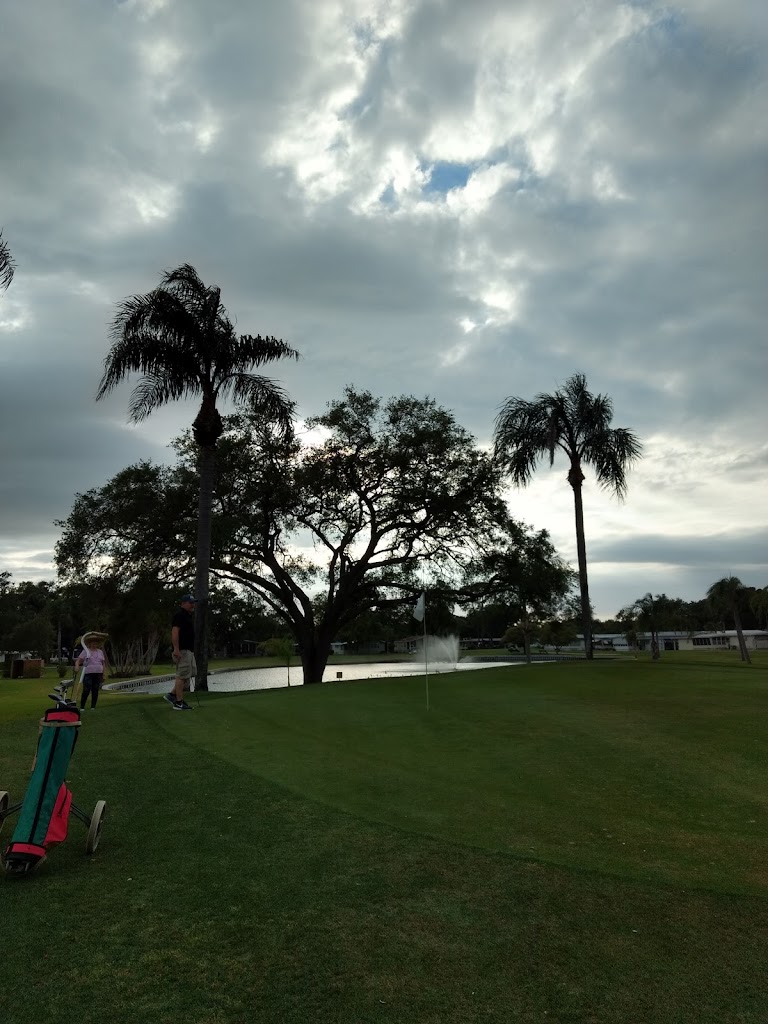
<point x="47" y="804"/>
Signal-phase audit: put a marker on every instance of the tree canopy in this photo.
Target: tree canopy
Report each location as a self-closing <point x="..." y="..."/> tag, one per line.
<point x="393" y="493"/>
<point x="531" y="580"/>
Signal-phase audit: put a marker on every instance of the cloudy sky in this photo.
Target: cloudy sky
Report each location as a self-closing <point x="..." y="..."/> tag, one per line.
<point x="466" y="200"/>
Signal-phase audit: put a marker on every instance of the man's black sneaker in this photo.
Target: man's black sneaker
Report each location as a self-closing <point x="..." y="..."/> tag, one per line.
<point x="170" y="697"/>
<point x="181" y="705"/>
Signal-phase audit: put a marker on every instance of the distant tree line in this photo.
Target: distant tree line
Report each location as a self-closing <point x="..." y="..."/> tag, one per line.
<point x="43" y="617"/>
<point x="46" y="618"/>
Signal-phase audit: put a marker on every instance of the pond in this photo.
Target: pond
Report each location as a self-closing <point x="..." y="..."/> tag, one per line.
<point x="273" y="678"/>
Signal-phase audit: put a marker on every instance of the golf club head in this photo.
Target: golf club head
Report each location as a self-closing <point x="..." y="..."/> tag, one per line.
<point x="61" y="700"/>
<point x="60" y="691"/>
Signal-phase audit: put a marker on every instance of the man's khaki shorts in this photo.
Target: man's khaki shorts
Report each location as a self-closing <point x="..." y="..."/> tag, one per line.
<point x="185" y="666"/>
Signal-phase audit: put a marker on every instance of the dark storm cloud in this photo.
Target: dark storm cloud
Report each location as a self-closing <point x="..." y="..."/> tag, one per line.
<point x="722" y="552"/>
<point x="56" y="442"/>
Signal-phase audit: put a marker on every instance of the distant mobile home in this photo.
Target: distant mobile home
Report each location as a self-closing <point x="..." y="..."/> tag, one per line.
<point x="678" y="640"/>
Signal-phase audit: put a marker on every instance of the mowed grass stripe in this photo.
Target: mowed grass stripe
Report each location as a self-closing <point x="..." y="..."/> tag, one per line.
<point x="519" y="761"/>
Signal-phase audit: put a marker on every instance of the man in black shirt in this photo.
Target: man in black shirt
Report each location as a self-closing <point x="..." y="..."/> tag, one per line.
<point x="183" y="639"/>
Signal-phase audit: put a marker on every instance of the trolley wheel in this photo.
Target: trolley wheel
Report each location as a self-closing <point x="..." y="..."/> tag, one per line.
<point x="97" y="823"/>
<point x="5" y="803"/>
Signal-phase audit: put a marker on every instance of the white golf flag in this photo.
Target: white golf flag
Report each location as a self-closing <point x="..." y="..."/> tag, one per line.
<point x="418" y="611"/>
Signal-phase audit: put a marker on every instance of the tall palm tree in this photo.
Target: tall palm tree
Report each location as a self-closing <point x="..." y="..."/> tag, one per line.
<point x="7" y="266"/>
<point x="724" y="595"/>
<point x="180" y="337"/>
<point x="578" y="423"/>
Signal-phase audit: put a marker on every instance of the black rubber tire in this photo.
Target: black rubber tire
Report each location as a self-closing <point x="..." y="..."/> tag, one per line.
<point x="5" y="803"/>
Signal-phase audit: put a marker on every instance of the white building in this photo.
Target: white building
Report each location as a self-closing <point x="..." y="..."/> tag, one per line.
<point x="679" y="640"/>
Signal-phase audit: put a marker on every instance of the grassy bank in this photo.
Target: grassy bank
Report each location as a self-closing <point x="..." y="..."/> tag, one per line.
<point x="567" y="843"/>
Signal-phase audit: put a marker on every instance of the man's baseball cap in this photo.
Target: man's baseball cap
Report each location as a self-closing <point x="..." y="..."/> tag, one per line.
<point x="187" y="597"/>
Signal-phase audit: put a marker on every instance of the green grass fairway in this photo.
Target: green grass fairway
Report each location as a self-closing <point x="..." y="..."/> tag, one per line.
<point x="564" y="843"/>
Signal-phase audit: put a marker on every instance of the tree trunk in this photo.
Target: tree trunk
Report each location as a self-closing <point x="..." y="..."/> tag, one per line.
<point x="655" y="652"/>
<point x="739" y="633"/>
<point x="204" y="522"/>
<point x="575" y="478"/>
<point x="315" y="652"/>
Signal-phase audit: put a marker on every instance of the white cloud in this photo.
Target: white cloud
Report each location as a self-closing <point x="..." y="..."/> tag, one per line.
<point x="145" y="9"/>
<point x="14" y="315"/>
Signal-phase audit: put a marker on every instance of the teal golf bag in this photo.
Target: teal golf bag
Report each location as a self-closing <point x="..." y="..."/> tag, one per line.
<point x="46" y="807"/>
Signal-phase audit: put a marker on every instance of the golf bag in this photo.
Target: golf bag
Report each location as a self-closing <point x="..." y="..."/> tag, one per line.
<point x="44" y="812"/>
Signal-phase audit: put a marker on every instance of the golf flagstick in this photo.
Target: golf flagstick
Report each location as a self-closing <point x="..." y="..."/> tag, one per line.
<point x="426" y="656"/>
<point x="420" y="614"/>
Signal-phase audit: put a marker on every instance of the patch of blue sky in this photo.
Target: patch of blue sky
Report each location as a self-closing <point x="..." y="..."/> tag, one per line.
<point x="387" y="197"/>
<point x="445" y="176"/>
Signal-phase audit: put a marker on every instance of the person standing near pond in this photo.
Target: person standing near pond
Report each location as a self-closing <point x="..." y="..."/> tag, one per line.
<point x="183" y="640"/>
<point x="93" y="659"/>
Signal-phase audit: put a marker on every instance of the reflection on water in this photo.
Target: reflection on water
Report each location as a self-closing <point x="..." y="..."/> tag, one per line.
<point x="272" y="678"/>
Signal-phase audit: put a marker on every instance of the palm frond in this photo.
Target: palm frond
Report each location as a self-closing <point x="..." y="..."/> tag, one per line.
<point x="611" y="453"/>
<point x="582" y="413"/>
<point x="214" y="334"/>
<point x="151" y="333"/>
<point x="161" y="312"/>
<point x="7" y="264"/>
<point x="575" y="388"/>
<point x="723" y="592"/>
<point x="577" y="399"/>
<point x="558" y="423"/>
<point x="185" y="284"/>
<point x="157" y="389"/>
<point x="521" y="438"/>
<point x="264" y="396"/>
<point x="255" y="350"/>
<point x="204" y="301"/>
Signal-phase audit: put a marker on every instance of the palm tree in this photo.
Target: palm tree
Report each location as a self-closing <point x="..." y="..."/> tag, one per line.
<point x="758" y="602"/>
<point x="181" y="339"/>
<point x="724" y="595"/>
<point x="578" y="423"/>
<point x="647" y="616"/>
<point x="7" y="266"/>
